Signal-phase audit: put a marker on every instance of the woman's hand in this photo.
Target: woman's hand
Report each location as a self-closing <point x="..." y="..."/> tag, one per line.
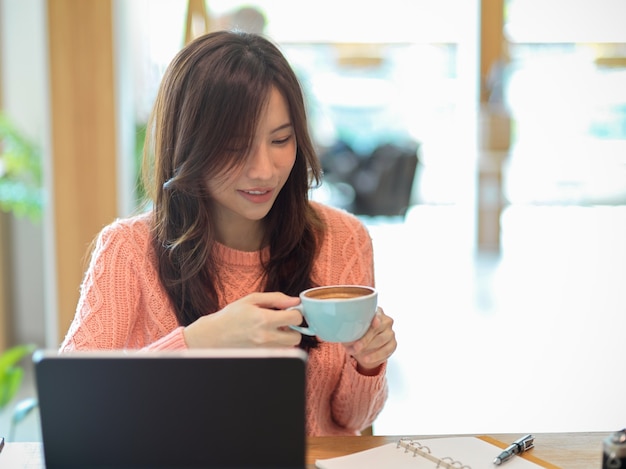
<point x="256" y="320"/>
<point x="376" y="346"/>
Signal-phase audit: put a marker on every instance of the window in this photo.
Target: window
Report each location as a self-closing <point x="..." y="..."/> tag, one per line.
<point x="567" y="93"/>
<point x="372" y="72"/>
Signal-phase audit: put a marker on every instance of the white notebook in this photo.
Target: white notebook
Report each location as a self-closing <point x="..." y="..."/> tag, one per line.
<point x="429" y="453"/>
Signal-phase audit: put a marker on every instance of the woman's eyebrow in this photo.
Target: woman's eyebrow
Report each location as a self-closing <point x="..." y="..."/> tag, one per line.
<point x="282" y="127"/>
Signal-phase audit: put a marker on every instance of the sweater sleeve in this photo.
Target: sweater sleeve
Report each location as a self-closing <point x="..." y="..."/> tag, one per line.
<point x="347" y="258"/>
<point x="340" y="400"/>
<point x="359" y="398"/>
<point x="120" y="298"/>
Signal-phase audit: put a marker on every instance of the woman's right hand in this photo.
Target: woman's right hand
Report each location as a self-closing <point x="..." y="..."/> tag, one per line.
<point x="256" y="320"/>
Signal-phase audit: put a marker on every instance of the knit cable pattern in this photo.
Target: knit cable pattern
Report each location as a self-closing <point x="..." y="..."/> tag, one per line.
<point x="122" y="305"/>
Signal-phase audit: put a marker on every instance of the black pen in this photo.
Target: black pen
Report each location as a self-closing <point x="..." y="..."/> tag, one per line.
<point x="517" y="447"/>
<point x="1" y="443"/>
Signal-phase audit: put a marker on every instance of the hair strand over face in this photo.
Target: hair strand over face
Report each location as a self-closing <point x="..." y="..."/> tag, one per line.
<point x="203" y="121"/>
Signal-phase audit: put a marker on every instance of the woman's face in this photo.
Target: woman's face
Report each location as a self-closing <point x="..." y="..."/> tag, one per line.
<point x="247" y="195"/>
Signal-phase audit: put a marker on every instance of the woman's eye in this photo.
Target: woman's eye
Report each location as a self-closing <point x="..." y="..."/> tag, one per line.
<point x="282" y="141"/>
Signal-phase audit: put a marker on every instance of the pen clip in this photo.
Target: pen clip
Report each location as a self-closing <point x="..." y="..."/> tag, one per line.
<point x="526" y="443"/>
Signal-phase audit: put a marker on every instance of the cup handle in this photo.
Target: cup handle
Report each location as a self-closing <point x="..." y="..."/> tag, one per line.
<point x="303" y="330"/>
<point x="300" y="329"/>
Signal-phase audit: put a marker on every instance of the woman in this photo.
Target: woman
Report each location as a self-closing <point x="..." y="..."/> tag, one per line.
<point x="232" y="238"/>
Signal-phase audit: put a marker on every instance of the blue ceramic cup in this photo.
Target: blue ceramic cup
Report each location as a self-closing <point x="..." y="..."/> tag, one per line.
<point x="337" y="313"/>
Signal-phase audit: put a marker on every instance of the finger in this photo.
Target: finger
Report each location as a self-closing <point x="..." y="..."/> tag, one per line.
<point x="376" y="327"/>
<point x="284" y="317"/>
<point x="280" y="337"/>
<point x="273" y="300"/>
<point x="376" y="337"/>
<point x="384" y="353"/>
<point x="387" y="343"/>
<point x="374" y="358"/>
<point x="377" y="321"/>
<point x="288" y="337"/>
<point x="375" y="343"/>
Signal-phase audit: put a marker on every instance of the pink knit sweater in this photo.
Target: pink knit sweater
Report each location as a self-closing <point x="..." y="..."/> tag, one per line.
<point x="123" y="306"/>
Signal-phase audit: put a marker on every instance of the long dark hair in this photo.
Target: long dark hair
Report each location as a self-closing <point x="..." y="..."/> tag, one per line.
<point x="209" y="100"/>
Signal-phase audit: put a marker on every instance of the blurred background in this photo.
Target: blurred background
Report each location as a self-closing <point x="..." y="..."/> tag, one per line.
<point x="482" y="142"/>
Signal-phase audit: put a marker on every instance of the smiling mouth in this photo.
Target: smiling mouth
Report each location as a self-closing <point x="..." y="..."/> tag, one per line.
<point x="257" y="195"/>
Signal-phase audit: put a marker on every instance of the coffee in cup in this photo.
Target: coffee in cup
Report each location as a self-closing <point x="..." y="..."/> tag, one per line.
<point x="337" y="313"/>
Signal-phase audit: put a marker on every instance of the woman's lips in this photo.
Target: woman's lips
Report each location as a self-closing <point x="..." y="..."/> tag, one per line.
<point x="257" y="196"/>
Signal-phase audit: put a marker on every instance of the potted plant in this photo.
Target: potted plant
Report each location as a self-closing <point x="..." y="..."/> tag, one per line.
<point x="21" y="195"/>
<point x="20" y="173"/>
<point x="11" y="375"/>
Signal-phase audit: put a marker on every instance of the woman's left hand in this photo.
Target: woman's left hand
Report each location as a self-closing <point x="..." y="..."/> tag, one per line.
<point x="376" y="346"/>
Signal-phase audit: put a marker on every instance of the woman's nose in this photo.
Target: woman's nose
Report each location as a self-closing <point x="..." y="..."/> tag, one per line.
<point x="259" y="163"/>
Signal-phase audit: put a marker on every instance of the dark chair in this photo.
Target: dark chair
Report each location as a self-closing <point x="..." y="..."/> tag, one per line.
<point x="383" y="182"/>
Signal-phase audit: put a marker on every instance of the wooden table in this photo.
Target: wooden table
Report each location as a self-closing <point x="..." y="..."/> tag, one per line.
<point x="566" y="450"/>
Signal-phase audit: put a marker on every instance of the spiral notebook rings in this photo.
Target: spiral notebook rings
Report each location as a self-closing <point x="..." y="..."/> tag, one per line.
<point x="418" y="449"/>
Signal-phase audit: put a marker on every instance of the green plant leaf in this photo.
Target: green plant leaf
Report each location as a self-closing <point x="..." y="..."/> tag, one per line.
<point x="12" y="356"/>
<point x="20" y="173"/>
<point x="10" y="373"/>
<point x="12" y="381"/>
